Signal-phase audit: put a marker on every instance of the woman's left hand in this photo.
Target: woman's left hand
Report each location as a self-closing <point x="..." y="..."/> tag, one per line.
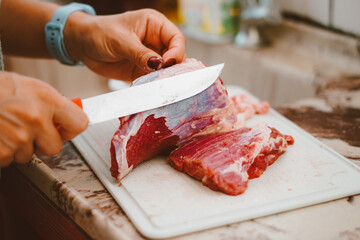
<point x="124" y="46"/>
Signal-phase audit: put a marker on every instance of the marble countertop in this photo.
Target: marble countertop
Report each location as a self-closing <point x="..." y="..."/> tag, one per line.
<point x="332" y="115"/>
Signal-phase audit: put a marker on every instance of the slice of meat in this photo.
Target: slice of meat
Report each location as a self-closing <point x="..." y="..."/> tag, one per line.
<point x="270" y="154"/>
<point x="144" y="135"/>
<point x="225" y="161"/>
<point x="246" y="106"/>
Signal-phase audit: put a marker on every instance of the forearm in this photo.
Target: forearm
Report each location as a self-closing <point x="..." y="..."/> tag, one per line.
<point x="22" y="24"/>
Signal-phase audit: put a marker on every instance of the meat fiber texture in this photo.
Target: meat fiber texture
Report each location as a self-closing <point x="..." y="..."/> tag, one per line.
<point x="225" y="161"/>
<point x="144" y="135"/>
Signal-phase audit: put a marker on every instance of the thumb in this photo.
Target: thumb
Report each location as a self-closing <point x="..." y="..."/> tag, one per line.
<point x="143" y="57"/>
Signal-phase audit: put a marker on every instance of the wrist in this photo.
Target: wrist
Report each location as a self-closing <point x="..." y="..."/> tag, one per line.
<point x="54" y="31"/>
<point x="7" y="84"/>
<point x="74" y="31"/>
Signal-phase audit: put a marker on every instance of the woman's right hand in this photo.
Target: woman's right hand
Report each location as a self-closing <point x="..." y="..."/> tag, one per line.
<point x="30" y="110"/>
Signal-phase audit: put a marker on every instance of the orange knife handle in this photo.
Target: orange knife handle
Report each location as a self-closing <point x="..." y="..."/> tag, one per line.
<point x="78" y="102"/>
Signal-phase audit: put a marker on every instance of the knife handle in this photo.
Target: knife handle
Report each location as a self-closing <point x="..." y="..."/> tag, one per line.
<point x="78" y="102"/>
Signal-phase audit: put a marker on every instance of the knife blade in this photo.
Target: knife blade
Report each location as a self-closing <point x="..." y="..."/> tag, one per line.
<point x="148" y="96"/>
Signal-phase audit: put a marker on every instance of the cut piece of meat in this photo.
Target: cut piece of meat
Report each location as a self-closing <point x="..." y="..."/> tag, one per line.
<point x="225" y="161"/>
<point x="209" y="131"/>
<point x="270" y="154"/>
<point x="144" y="135"/>
<point x="246" y="106"/>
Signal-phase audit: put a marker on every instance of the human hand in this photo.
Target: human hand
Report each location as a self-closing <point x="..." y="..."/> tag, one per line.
<point x="124" y="46"/>
<point x="29" y="112"/>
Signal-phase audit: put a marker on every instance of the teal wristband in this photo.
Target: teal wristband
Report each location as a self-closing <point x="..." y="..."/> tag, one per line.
<point x="54" y="36"/>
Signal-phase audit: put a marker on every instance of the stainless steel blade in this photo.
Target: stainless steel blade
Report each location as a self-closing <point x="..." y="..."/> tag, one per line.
<point x="149" y="95"/>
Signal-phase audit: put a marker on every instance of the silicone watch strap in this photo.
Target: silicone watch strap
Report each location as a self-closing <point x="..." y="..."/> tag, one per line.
<point x="54" y="31"/>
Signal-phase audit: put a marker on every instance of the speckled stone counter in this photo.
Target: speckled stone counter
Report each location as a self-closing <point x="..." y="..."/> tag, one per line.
<point x="333" y="116"/>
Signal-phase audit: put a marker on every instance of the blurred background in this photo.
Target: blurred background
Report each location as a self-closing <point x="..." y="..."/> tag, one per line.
<point x="276" y="49"/>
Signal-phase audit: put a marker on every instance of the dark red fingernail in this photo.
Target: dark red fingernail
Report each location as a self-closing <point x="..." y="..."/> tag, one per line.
<point x="169" y="62"/>
<point x="154" y="63"/>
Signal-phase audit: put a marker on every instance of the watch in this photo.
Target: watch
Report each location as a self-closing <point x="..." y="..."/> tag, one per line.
<point x="54" y="36"/>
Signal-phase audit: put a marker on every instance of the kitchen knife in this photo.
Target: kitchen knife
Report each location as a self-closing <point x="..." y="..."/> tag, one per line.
<point x="148" y="96"/>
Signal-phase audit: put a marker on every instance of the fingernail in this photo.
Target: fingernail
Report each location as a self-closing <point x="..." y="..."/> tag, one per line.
<point x="169" y="62"/>
<point x="154" y="63"/>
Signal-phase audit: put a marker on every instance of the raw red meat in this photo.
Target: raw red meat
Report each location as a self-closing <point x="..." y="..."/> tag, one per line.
<point x="225" y="161"/>
<point x="248" y="106"/>
<point x="145" y="135"/>
<point x="209" y="131"/>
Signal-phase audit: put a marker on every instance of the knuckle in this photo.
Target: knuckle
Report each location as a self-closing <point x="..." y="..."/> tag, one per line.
<point x="151" y="12"/>
<point x="34" y="114"/>
<point x="47" y="94"/>
<point x="140" y="54"/>
<point x="57" y="149"/>
<point x="43" y="89"/>
<point x="154" y="16"/>
<point x="22" y="137"/>
<point x="51" y="150"/>
<point x="61" y="102"/>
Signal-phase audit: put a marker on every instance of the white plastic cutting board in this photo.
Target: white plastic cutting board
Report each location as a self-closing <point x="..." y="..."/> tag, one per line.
<point x="163" y="202"/>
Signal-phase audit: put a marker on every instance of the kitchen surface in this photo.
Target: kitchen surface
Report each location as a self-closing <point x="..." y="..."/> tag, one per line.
<point x="307" y="70"/>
